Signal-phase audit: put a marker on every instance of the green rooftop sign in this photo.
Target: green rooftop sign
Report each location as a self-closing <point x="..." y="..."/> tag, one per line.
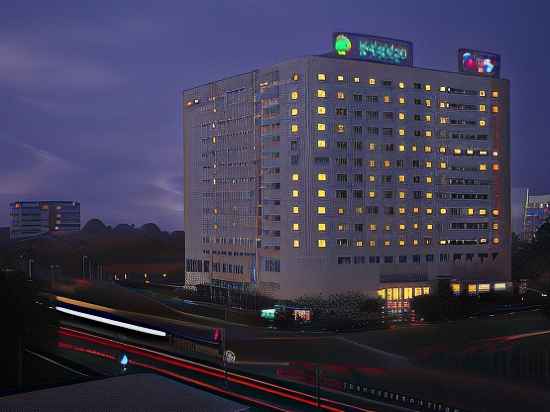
<point x="372" y="48"/>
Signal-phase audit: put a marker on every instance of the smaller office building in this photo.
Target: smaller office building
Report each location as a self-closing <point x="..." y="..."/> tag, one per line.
<point x="36" y="218"/>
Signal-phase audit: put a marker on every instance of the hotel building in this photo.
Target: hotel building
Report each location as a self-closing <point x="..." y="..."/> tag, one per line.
<point x="350" y="171"/>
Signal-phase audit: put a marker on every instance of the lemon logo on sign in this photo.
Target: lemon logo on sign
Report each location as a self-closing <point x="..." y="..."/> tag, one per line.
<point x="342" y="45"/>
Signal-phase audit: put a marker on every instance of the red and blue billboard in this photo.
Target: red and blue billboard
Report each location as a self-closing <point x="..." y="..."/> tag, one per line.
<point x="478" y="63"/>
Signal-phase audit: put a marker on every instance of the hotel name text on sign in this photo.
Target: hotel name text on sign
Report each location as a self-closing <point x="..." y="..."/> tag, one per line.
<point x="372" y="48"/>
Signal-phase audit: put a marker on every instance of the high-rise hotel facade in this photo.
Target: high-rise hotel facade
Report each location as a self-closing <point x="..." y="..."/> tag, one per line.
<point x="350" y="171"/>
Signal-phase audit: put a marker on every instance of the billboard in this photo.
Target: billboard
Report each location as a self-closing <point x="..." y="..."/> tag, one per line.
<point x="372" y="48"/>
<point x="478" y="63"/>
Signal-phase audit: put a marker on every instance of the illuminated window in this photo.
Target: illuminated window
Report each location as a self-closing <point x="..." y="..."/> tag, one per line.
<point x="401" y="116"/>
<point x="415" y="242"/>
<point x="429" y="195"/>
<point x="401" y="178"/>
<point x="387" y="99"/>
<point x="401" y="132"/>
<point x="470" y="211"/>
<point x="359" y="210"/>
<point x="372" y="163"/>
<point x="402" y="210"/>
<point x="294" y="128"/>
<point x="401" y="85"/>
<point x="321" y="144"/>
<point x="428" y="102"/>
<point x="295" y="77"/>
<point x="321" y="227"/>
<point x="321" y="177"/>
<point x="428" y="87"/>
<point x="372" y="146"/>
<point x="321" y="93"/>
<point x="495" y="154"/>
<point x="340" y="211"/>
<point x="340" y="95"/>
<point x="481" y="107"/>
<point x="428" y="164"/>
<point x="387" y="242"/>
<point x="401" y="147"/>
<point x="482" y="93"/>
<point x="442" y="165"/>
<point x="372" y="227"/>
<point x="401" y="226"/>
<point x="442" y="149"/>
<point x="321" y="127"/>
<point x="495" y="226"/>
<point x="359" y="243"/>
<point x="372" y="81"/>
<point x="295" y="227"/>
<point x="340" y="128"/>
<point x="496" y="212"/>
<point x="429" y="226"/>
<point x="494" y="93"/>
<point x="372" y="243"/>
<point x="340" y="78"/>
<point x="295" y="193"/>
<point x="494" y="109"/>
<point x="321" y="243"/>
<point x="443" y="120"/>
<point x="442" y="89"/>
<point x="294" y="111"/>
<point x="482" y="212"/>
<point x="294" y="95"/>
<point x="321" y="210"/>
<point x="356" y="79"/>
<point x="483" y="167"/>
<point x="387" y="228"/>
<point x="401" y="242"/>
<point x="429" y="211"/>
<point x="483" y="240"/>
<point x="372" y="194"/>
<point x="472" y="288"/>
<point x="469" y="152"/>
<point x="321" y="110"/>
<point x="295" y="243"/>
<point x="442" y="242"/>
<point x="428" y="179"/>
<point x="496" y="240"/>
<point x="482" y="123"/>
<point x="401" y="100"/>
<point x="295" y="210"/>
<point x="427" y="149"/>
<point x="413" y="148"/>
<point x="387" y="163"/>
<point x="321" y="193"/>
<point x="295" y="177"/>
<point x="442" y="211"/>
<point x="321" y="77"/>
<point x="496" y="167"/>
<point x="402" y="195"/>
<point x="428" y="118"/>
<point x="416" y="210"/>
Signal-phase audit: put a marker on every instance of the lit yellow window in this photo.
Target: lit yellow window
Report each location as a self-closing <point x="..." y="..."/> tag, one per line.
<point x="295" y="210"/>
<point x="429" y="211"/>
<point x="359" y="210"/>
<point x="372" y="194"/>
<point x="340" y="227"/>
<point x="321" y="77"/>
<point x="482" y="123"/>
<point x="321" y="177"/>
<point x="401" y="132"/>
<point x="416" y="210"/>
<point x="294" y="128"/>
<point x="401" y="242"/>
<point x="442" y="242"/>
<point x="372" y="178"/>
<point x="427" y="149"/>
<point x="294" y="111"/>
<point x="295" y="243"/>
<point x="321" y="193"/>
<point x="321" y="243"/>
<point x="401" y="147"/>
<point x="321" y="110"/>
<point x="372" y="81"/>
<point x="387" y="99"/>
<point x="295" y="226"/>
<point x="295" y="193"/>
<point x="494" y="109"/>
<point x="372" y="243"/>
<point x="415" y="242"/>
<point x="402" y="210"/>
<point x="295" y="77"/>
<point x="321" y="127"/>
<point x="387" y="163"/>
<point x="340" y="211"/>
<point x="401" y="178"/>
<point x="496" y="240"/>
<point x="442" y="89"/>
<point x="457" y="151"/>
<point x="483" y="240"/>
<point x="321" y="227"/>
<point x="481" y="107"/>
<point x="340" y="128"/>
<point x="443" y="120"/>
<point x="372" y="146"/>
<point x="359" y="243"/>
<point x="428" y="87"/>
<point x="294" y="95"/>
<point x="401" y="226"/>
<point x="321" y="144"/>
<point x="340" y="95"/>
<point x="482" y="93"/>
<point x="372" y="163"/>
<point x="482" y="212"/>
<point x="428" y="164"/>
<point x="213" y="139"/>
<point x="402" y="195"/>
<point x="496" y="212"/>
<point x="372" y="227"/>
<point x="472" y="288"/>
<point x="401" y="116"/>
<point x="442" y="149"/>
<point x="387" y="243"/>
<point x="387" y="228"/>
<point x="428" y="118"/>
<point x="429" y="195"/>
<point x="428" y="102"/>
<point x="321" y="93"/>
<point x="494" y="93"/>
<point x="340" y="78"/>
<point x="495" y="226"/>
<point x="496" y="167"/>
<point x="442" y="165"/>
<point x="470" y="211"/>
<point x="401" y="85"/>
<point x="429" y="179"/>
<point x="401" y="100"/>
<point x="321" y="210"/>
<point x="442" y="211"/>
<point x="429" y="226"/>
<point x="295" y="177"/>
<point x="413" y="148"/>
<point x="483" y="166"/>
<point x="356" y="79"/>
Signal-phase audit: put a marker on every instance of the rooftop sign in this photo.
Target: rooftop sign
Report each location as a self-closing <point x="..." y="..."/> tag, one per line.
<point x="372" y="48"/>
<point x="478" y="63"/>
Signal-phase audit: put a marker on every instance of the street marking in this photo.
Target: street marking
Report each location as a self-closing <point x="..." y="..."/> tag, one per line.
<point x="373" y="349"/>
<point x="55" y="362"/>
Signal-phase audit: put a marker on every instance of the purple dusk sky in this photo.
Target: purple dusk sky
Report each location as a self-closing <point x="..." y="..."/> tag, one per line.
<point x="90" y="91"/>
